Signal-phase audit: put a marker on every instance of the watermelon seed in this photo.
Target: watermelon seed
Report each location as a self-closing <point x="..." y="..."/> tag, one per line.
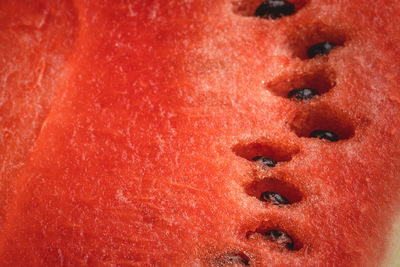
<point x="274" y="9"/>
<point x="323" y="134"/>
<point x="265" y="161"/>
<point x="302" y="93"/>
<point x="323" y="48"/>
<point x="277" y="236"/>
<point x="230" y="258"/>
<point x="273" y="198"/>
<point x="280" y="238"/>
<point x="239" y="259"/>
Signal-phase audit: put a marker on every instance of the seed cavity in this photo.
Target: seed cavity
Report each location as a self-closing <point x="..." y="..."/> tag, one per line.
<point x="323" y="48"/>
<point x="274" y="198"/>
<point x="282" y="239"/>
<point x="278" y="237"/>
<point x="324" y="134"/>
<point x="309" y="40"/>
<point x="302" y="83"/>
<point x="274" y="9"/>
<point x="266" y="151"/>
<point x="303" y="94"/>
<point x="274" y="191"/>
<point x="265" y="161"/>
<point x="323" y="121"/>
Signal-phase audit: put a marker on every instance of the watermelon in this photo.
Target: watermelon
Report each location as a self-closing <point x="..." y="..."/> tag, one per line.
<point x="199" y="133"/>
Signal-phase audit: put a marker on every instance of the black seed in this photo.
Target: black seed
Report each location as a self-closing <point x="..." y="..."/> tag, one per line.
<point x="323" y="134"/>
<point x="265" y="161"/>
<point x="274" y="9"/>
<point x="233" y="258"/>
<point x="323" y="48"/>
<point x="239" y="259"/>
<point x="274" y="198"/>
<point x="280" y="238"/>
<point x="303" y="93"/>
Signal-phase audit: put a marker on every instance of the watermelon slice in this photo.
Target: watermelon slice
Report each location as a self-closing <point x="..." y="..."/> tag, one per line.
<point x="200" y="133"/>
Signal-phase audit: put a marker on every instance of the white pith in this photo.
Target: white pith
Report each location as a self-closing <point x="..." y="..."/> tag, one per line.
<point x="393" y="257"/>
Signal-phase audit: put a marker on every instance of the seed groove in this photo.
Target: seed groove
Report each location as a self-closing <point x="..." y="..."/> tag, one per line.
<point x="317" y="119"/>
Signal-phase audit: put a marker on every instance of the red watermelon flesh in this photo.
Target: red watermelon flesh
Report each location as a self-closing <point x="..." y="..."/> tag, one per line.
<point x="36" y="39"/>
<point x="144" y="156"/>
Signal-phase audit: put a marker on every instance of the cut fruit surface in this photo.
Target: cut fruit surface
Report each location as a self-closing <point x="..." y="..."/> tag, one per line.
<point x="149" y="115"/>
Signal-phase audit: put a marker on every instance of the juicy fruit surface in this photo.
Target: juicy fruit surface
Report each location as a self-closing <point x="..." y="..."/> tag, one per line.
<point x="145" y="155"/>
<point x="35" y="41"/>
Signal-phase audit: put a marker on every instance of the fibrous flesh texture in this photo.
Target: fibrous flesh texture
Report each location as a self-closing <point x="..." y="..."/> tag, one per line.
<point x="128" y="130"/>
